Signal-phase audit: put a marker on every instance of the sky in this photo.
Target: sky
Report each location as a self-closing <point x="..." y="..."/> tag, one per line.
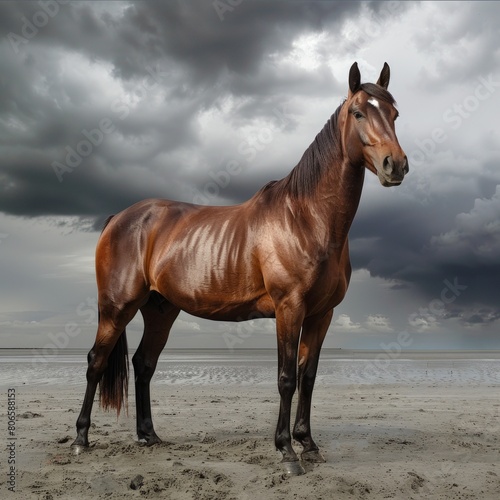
<point x="103" y="104"/>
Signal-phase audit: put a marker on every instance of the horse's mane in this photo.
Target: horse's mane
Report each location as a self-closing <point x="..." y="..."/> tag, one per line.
<point x="321" y="154"/>
<point x="325" y="148"/>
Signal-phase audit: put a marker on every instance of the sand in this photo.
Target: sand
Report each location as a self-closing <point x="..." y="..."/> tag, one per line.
<point x="430" y="440"/>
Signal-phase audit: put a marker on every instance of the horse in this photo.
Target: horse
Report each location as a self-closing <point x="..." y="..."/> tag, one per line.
<point x="282" y="254"/>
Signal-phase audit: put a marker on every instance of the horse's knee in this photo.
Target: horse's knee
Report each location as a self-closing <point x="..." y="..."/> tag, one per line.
<point x="307" y="381"/>
<point x="287" y="384"/>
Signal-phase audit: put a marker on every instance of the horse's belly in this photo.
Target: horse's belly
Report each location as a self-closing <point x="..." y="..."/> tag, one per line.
<point x="221" y="305"/>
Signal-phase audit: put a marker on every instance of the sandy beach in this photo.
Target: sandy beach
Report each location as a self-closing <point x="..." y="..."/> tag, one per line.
<point x="435" y="438"/>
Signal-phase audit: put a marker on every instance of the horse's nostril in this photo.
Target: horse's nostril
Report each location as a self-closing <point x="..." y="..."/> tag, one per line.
<point x="406" y="167"/>
<point x="388" y="164"/>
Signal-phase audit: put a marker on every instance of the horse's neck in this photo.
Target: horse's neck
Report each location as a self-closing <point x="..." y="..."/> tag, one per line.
<point x="338" y="191"/>
<point x="336" y="200"/>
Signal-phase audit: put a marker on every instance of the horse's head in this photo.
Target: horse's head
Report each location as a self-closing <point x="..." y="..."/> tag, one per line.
<point x="369" y="137"/>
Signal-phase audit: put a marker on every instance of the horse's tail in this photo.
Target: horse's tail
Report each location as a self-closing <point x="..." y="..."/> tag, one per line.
<point x="113" y="386"/>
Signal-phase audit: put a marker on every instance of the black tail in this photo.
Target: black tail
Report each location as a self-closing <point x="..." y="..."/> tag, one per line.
<point x="113" y="386"/>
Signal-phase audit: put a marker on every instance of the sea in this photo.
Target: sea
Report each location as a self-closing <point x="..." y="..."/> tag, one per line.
<point x="259" y="367"/>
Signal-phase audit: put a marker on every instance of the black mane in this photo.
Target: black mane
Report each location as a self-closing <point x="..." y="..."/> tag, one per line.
<point x="325" y="149"/>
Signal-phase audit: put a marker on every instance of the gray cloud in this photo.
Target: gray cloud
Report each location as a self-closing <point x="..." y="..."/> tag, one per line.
<point x="176" y="60"/>
<point x="162" y="95"/>
<point x="471" y="42"/>
<point x="411" y="246"/>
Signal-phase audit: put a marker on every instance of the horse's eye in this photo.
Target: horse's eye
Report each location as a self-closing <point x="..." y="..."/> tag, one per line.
<point x="357" y="115"/>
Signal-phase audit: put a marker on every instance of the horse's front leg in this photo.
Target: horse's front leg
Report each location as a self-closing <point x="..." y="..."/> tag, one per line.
<point x="313" y="333"/>
<point x="289" y="317"/>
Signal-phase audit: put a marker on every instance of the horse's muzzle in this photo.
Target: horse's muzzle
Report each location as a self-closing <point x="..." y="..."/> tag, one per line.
<point x="393" y="171"/>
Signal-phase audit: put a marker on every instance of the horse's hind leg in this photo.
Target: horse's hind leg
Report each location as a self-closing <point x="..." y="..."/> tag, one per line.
<point x="110" y="341"/>
<point x="313" y="333"/>
<point x="158" y="319"/>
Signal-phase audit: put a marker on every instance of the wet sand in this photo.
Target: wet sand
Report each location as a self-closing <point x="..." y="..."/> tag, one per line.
<point x="433" y="439"/>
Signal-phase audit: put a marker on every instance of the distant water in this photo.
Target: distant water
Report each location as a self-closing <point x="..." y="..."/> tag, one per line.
<point x="259" y="367"/>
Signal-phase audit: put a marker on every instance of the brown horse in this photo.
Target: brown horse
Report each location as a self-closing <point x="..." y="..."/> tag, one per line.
<point x="283" y="253"/>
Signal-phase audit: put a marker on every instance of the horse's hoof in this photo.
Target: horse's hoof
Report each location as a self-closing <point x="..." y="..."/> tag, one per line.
<point x="78" y="449"/>
<point x="293" y="468"/>
<point x="79" y="445"/>
<point x="150" y="440"/>
<point x="146" y="442"/>
<point x="313" y="456"/>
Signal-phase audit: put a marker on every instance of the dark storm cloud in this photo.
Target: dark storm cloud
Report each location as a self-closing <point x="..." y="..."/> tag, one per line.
<point x="406" y="241"/>
<point x="193" y="57"/>
<point x="207" y="46"/>
<point x="189" y="35"/>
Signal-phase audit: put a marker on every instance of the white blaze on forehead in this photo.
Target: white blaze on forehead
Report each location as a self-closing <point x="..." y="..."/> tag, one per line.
<point x="374" y="102"/>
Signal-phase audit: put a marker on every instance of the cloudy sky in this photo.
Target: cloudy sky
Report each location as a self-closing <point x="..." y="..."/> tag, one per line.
<point x="103" y="104"/>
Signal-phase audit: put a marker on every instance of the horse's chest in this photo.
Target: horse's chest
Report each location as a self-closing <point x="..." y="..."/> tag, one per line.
<point x="330" y="285"/>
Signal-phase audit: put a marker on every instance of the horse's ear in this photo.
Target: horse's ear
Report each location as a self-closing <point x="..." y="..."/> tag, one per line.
<point x="385" y="76"/>
<point x="354" y="78"/>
